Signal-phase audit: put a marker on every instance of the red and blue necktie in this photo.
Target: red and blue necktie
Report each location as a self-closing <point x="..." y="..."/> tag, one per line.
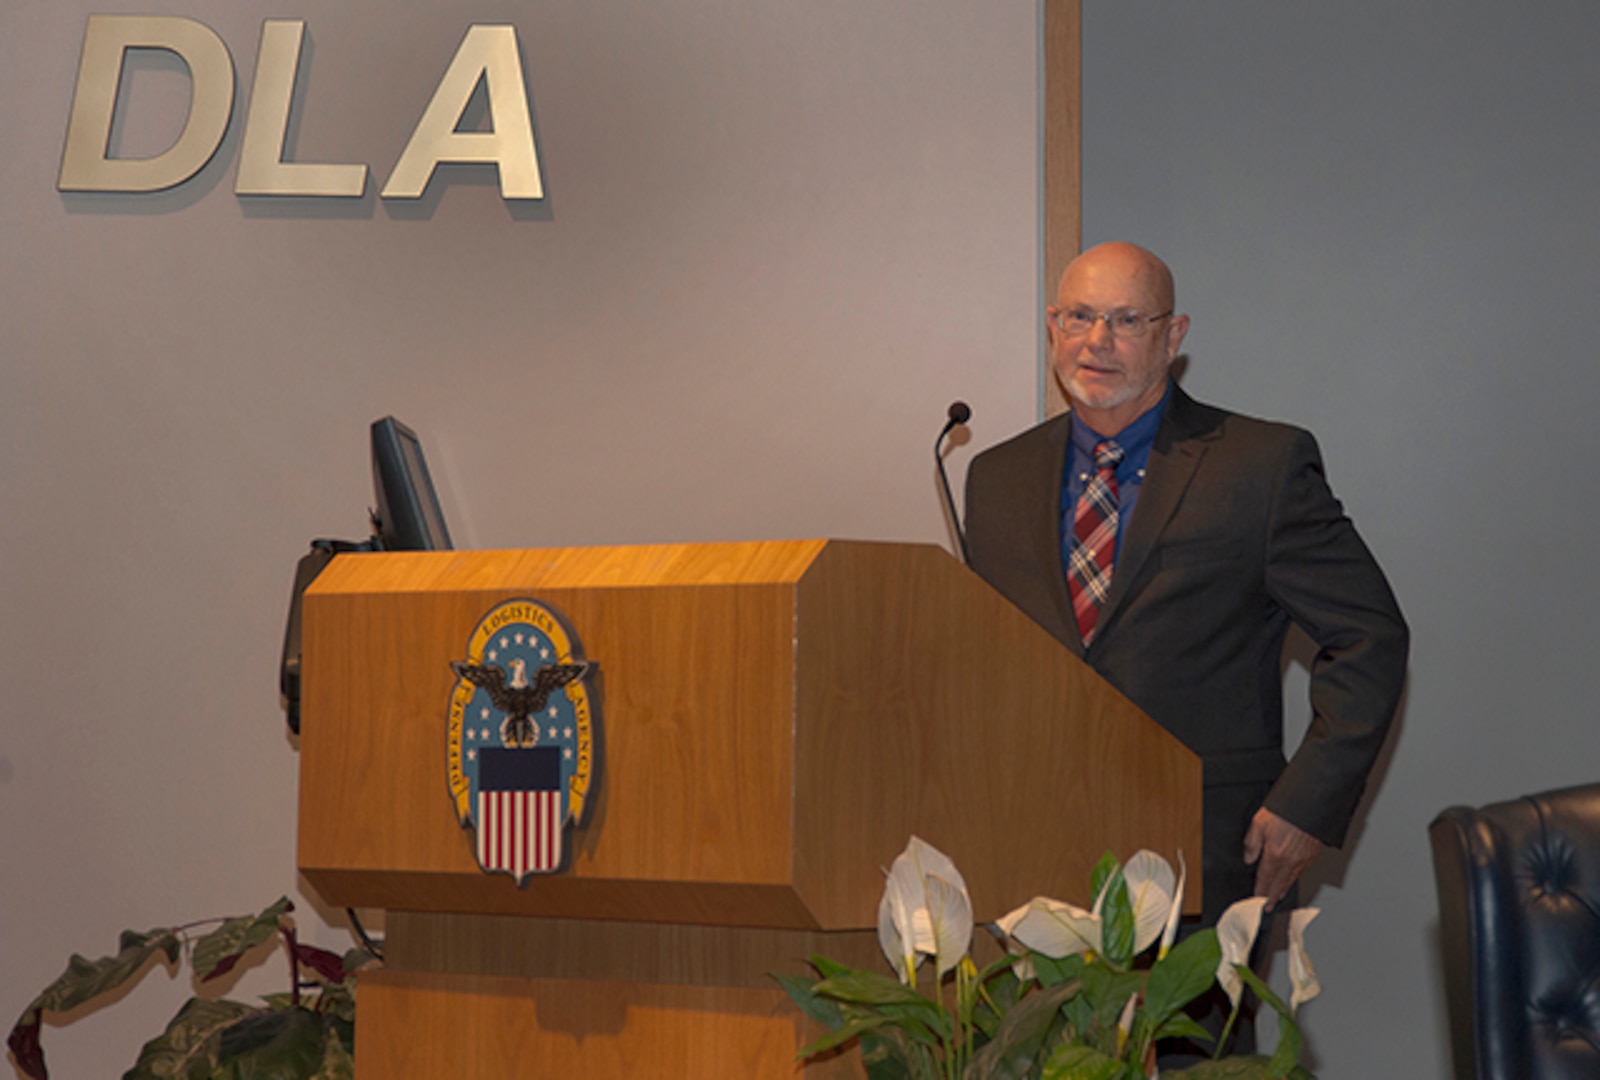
<point x="1094" y="540"/>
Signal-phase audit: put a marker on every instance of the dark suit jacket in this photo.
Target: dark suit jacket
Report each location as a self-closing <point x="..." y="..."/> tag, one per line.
<point x="1235" y="535"/>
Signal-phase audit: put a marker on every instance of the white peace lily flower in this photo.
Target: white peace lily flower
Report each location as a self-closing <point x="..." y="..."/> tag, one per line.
<point x="1125" y="1022"/>
<point x="1302" y="976"/>
<point x="893" y="911"/>
<point x="1021" y="966"/>
<point x="1008" y="922"/>
<point x="1236" y="934"/>
<point x="950" y="913"/>
<point x="1150" y="891"/>
<point x="1174" y="912"/>
<point x="925" y="911"/>
<point x="1053" y="928"/>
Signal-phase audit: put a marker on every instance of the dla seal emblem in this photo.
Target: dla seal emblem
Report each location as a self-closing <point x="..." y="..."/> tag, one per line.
<point x="523" y="738"/>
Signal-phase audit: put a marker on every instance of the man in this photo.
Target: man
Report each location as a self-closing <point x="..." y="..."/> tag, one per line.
<point x="1175" y="563"/>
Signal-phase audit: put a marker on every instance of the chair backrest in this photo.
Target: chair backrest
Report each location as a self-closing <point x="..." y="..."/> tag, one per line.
<point x="1519" y="922"/>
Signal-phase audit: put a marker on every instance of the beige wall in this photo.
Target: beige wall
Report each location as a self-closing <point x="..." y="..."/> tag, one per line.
<point x="778" y="240"/>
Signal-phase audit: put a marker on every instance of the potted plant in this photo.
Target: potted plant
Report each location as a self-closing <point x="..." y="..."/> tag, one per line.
<point x="307" y="1032"/>
<point x="1080" y="994"/>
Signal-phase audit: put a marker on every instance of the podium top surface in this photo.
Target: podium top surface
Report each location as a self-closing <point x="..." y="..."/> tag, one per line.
<point x="622" y="566"/>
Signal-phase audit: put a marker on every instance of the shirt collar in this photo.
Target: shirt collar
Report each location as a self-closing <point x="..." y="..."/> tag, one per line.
<point x="1136" y="439"/>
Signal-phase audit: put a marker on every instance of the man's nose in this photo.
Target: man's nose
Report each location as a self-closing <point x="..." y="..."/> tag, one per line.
<point x="1100" y="335"/>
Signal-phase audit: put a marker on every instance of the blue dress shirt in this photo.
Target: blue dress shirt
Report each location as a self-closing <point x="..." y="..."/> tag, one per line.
<point x="1136" y="441"/>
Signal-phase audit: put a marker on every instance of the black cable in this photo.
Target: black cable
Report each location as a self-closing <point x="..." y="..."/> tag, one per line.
<point x="373" y="947"/>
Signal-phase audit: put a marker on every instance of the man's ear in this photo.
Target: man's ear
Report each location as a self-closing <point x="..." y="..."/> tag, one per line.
<point x="1177" y="329"/>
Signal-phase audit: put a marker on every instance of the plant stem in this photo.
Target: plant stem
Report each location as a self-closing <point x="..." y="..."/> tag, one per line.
<point x="1227" y="1030"/>
<point x="294" y="964"/>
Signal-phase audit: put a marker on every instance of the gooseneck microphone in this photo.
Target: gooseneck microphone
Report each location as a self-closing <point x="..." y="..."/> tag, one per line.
<point x="958" y="413"/>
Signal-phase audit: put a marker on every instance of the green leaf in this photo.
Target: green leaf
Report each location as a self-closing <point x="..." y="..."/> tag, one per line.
<point x="1290" y="1044"/>
<point x="83" y="981"/>
<point x="188" y="1049"/>
<point x="1101" y="874"/>
<point x="997" y="994"/>
<point x="1022" y="1034"/>
<point x="356" y="959"/>
<point x="1118" y="930"/>
<point x="336" y="1000"/>
<point x="1005" y="964"/>
<point x="342" y="1029"/>
<point x="1080" y="1014"/>
<point x="917" y="1024"/>
<point x="919" y="1019"/>
<point x="217" y="952"/>
<point x="1051" y="971"/>
<point x="1182" y="975"/>
<point x="852" y="1028"/>
<point x="829" y="968"/>
<point x="284" y="1045"/>
<point x="888" y="1055"/>
<point x="1075" y="1062"/>
<point x="800" y="991"/>
<point x="1184" y="1026"/>
<point x="337" y="1061"/>
<point x="871" y="988"/>
<point x="1263" y="991"/>
<point x="1108" y="991"/>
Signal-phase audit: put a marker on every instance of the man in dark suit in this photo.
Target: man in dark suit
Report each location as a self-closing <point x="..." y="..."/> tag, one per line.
<point x="1224" y="532"/>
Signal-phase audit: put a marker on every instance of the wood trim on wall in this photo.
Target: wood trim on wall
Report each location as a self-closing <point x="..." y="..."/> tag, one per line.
<point x="1063" y="160"/>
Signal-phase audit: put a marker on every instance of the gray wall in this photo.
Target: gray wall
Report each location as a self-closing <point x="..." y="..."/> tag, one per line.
<point x="779" y="239"/>
<point x="1384" y="220"/>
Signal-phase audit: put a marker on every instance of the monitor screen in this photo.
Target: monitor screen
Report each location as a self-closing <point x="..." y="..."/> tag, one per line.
<point x="408" y="517"/>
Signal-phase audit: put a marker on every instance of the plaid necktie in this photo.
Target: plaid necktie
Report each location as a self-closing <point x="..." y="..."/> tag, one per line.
<point x="1094" y="540"/>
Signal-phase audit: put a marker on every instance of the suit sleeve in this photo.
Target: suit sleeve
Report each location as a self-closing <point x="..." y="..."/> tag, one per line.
<point x="1321" y="572"/>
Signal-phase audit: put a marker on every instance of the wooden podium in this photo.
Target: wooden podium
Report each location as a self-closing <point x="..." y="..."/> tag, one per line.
<point x="779" y="717"/>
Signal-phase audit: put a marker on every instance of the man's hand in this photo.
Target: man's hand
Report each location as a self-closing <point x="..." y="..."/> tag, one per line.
<point x="1283" y="850"/>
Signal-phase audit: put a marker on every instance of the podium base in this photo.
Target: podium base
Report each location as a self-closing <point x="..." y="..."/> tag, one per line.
<point x="567" y="997"/>
<point x="422" y="1027"/>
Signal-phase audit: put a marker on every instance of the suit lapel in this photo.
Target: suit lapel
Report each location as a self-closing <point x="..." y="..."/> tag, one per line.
<point x="1046" y="471"/>
<point x="1174" y="458"/>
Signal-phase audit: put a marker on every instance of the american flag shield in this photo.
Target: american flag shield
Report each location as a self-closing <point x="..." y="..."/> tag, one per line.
<point x="520" y="811"/>
<point x="523" y="739"/>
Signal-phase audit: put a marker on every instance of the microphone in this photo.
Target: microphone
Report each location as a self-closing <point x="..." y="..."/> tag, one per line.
<point x="958" y="413"/>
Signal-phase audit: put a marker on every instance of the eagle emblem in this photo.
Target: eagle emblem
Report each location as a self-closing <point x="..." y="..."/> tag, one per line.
<point x="523" y="738"/>
<point x="518" y="699"/>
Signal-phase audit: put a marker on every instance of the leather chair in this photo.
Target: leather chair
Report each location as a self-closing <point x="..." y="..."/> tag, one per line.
<point x="1519" y="921"/>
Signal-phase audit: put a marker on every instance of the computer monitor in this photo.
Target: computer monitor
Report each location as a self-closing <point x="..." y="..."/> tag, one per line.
<point x="408" y="517"/>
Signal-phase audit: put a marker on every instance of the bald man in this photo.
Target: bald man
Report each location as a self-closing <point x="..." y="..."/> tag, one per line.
<point x="1170" y="544"/>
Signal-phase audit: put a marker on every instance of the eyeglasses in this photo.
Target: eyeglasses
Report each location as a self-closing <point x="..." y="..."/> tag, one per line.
<point x="1123" y="322"/>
